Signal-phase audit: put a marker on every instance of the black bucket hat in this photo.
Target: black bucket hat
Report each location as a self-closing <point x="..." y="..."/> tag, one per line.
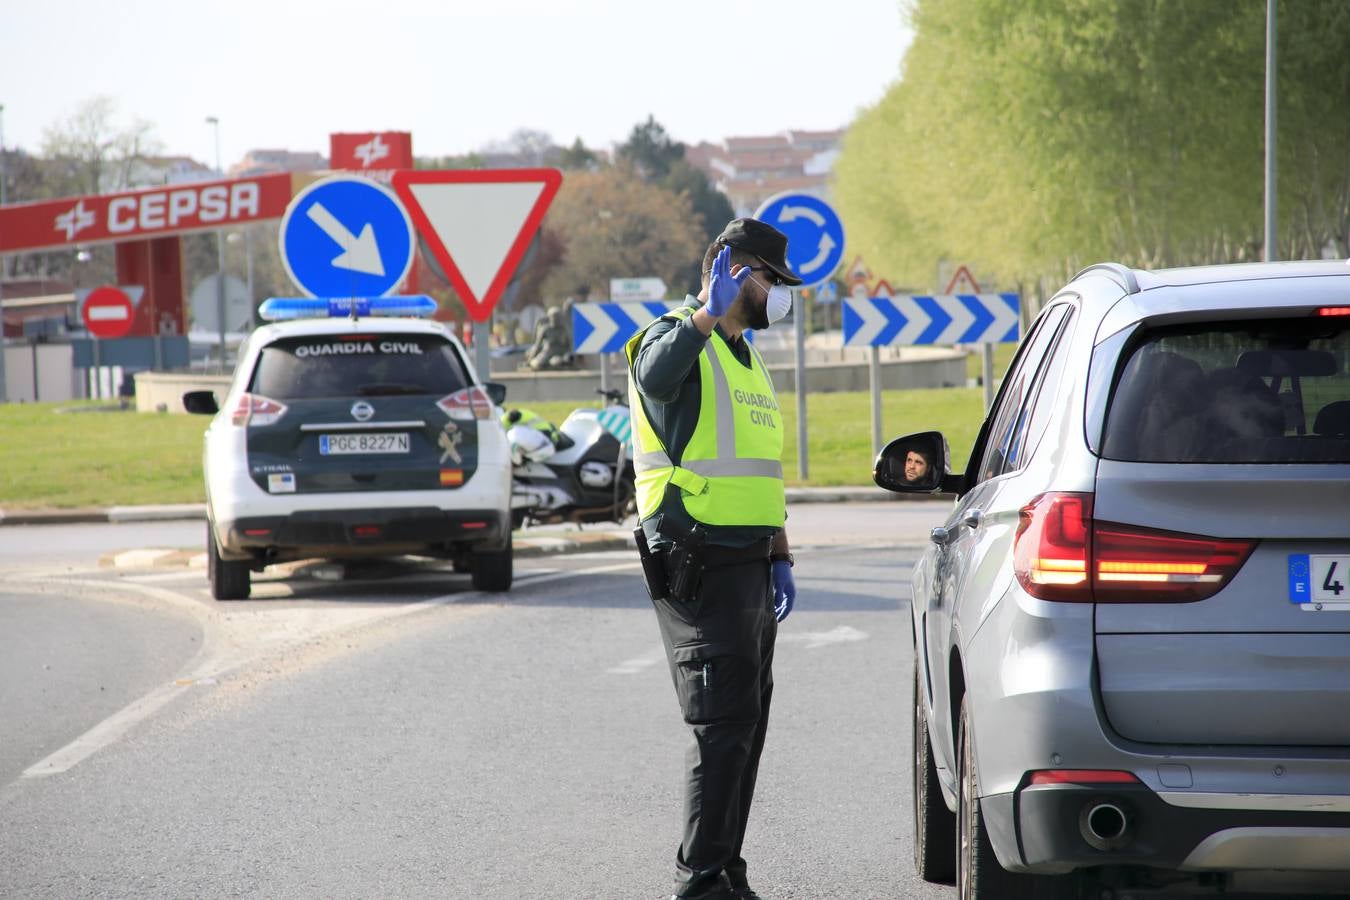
<point x="764" y="241"/>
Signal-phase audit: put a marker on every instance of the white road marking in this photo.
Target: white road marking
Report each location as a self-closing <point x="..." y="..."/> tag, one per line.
<point x="638" y="663"/>
<point x="217" y="658"/>
<point x="842" y="634"/>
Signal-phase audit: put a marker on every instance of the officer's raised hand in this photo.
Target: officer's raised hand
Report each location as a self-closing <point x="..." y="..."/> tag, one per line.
<point x="723" y="286"/>
<point x="784" y="589"/>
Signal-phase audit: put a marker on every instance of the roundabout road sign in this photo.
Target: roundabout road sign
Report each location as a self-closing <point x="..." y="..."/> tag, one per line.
<point x="346" y="236"/>
<point x="814" y="232"/>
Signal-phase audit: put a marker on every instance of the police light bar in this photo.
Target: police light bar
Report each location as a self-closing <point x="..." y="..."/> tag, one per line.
<point x="276" y="309"/>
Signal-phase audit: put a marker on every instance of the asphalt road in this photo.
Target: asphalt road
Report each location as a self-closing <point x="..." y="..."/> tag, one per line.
<point x="441" y="742"/>
<point x="396" y="734"/>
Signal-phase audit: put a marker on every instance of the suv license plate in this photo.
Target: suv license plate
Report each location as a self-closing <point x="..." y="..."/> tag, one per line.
<point x="1321" y="580"/>
<point x="334" y="444"/>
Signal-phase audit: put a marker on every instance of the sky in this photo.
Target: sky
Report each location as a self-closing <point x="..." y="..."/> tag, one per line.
<point x="458" y="75"/>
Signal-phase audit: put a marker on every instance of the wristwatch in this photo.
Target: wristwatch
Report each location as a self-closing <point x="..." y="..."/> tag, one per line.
<point x="782" y="557"/>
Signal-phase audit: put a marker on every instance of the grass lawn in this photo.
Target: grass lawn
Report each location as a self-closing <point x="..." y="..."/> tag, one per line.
<point x="80" y="455"/>
<point x="55" y="456"/>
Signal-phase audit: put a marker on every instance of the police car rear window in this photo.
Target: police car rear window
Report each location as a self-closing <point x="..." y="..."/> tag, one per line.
<point x="358" y="366"/>
<point x="1271" y="391"/>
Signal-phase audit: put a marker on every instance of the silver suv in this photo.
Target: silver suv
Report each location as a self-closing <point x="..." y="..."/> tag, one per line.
<point x="1132" y="634"/>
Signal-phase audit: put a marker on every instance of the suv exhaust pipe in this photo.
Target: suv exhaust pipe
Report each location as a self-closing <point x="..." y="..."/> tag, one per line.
<point x="1104" y="826"/>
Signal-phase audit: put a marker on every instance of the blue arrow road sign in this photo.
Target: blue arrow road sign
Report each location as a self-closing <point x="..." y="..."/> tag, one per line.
<point x="346" y="236"/>
<point x="940" y="319"/>
<point x="814" y="232"/>
<point x="606" y="327"/>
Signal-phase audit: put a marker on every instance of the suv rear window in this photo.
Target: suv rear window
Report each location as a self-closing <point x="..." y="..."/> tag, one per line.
<point x="366" y="365"/>
<point x="1269" y="391"/>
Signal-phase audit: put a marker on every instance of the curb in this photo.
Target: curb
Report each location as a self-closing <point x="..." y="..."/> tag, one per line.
<point x="197" y="511"/>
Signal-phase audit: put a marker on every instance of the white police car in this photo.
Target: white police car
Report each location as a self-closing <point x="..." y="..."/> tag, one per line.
<point x="352" y="430"/>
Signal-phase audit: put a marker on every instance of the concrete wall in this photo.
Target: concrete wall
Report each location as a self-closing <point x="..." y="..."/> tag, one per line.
<point x="41" y="372"/>
<point x="935" y="369"/>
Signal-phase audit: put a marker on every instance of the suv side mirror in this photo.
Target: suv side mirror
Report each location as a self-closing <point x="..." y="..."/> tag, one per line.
<point x="913" y="464"/>
<point x="201" y="402"/>
<point x="496" y="392"/>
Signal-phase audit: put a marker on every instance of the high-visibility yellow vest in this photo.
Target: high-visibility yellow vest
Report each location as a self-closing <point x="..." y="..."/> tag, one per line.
<point x="531" y="419"/>
<point x="731" y="473"/>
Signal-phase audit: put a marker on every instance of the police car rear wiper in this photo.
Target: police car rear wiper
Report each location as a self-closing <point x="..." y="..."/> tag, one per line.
<point x="390" y="387"/>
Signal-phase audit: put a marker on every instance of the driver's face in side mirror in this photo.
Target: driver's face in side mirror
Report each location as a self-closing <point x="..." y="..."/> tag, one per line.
<point x="917" y="466"/>
<point x="912" y="464"/>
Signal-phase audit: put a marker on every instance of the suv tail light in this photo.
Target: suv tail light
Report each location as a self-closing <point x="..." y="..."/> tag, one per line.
<point x="1062" y="553"/>
<point x="469" y="403"/>
<point x="255" y="409"/>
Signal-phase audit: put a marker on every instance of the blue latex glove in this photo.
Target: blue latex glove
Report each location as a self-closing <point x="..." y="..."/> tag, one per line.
<point x="784" y="590"/>
<point x="723" y="286"/>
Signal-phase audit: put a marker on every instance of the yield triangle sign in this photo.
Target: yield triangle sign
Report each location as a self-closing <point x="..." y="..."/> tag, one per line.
<point x="477" y="223"/>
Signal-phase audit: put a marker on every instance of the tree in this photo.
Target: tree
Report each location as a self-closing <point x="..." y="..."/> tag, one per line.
<point x="652" y="155"/>
<point x="462" y="161"/>
<point x="1084" y="130"/>
<point x="578" y="157"/>
<point x="712" y="210"/>
<point x="614" y="225"/>
<point x="650" y="151"/>
<point x="93" y="154"/>
<point x="530" y="147"/>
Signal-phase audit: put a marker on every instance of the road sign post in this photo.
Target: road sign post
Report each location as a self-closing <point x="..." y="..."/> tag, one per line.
<point x="875" y="386"/>
<point x="815" y="236"/>
<point x="799" y="380"/>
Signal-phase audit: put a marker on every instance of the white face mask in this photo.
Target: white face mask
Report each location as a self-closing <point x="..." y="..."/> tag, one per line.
<point x="779" y="302"/>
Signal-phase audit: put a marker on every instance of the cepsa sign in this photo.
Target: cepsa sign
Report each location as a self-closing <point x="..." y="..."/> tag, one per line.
<point x="371" y="150"/>
<point x="145" y="213"/>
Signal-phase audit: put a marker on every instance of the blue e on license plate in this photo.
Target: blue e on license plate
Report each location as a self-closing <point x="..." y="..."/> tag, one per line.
<point x="1319" y="579"/>
<point x="385" y="442"/>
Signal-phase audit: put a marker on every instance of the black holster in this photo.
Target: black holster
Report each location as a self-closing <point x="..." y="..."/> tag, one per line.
<point x="673" y="576"/>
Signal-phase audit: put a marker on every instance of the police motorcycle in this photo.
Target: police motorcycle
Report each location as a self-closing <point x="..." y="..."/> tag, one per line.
<point x="580" y="472"/>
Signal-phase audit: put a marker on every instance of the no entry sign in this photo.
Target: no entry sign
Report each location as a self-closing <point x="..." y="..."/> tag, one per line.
<point x="107" y="313"/>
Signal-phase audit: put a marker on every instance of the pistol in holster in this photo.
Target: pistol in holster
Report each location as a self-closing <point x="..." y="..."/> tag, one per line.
<point x="673" y="576"/>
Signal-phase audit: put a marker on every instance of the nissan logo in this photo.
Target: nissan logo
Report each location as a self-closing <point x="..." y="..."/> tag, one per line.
<point x="362" y="411"/>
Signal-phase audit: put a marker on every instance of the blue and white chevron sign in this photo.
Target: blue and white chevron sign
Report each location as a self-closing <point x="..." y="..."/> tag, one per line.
<point x="937" y="319"/>
<point x="606" y="327"/>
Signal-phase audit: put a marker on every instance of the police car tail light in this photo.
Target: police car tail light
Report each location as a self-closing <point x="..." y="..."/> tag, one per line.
<point x="1062" y="553"/>
<point x="1050" y="551"/>
<point x="255" y="409"/>
<point x="1141" y="565"/>
<point x="470" y="403"/>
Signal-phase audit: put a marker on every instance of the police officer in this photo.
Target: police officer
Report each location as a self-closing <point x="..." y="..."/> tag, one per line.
<point x="708" y="443"/>
<point x="531" y="419"/>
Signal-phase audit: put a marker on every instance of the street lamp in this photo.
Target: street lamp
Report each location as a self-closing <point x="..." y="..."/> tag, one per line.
<point x="214" y="122"/>
<point x="4" y="266"/>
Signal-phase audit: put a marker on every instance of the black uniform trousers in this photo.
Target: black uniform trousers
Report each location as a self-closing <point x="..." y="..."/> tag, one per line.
<point x="721" y="664"/>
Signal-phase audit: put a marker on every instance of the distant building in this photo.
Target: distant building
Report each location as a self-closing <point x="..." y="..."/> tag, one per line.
<point x="750" y="169"/>
<point x="156" y="170"/>
<point x="264" y="162"/>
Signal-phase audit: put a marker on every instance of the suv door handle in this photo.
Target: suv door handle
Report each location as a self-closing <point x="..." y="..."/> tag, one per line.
<point x="973" y="519"/>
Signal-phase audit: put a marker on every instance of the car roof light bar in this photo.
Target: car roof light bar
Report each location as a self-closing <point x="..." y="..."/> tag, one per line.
<point x="276" y="309"/>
